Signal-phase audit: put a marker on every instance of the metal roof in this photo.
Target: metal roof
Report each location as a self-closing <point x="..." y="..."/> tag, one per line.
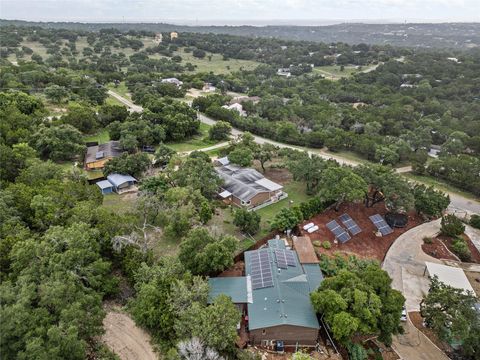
<point x="119" y="179"/>
<point x="224" y="160"/>
<point x="104" y="184"/>
<point x="288" y="301"/>
<point x="107" y="150"/>
<point x="243" y="182"/>
<point x="269" y="184"/>
<point x="238" y="288"/>
<point x="449" y="275"/>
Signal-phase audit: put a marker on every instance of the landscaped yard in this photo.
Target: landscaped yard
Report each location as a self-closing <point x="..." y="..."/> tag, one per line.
<point x="296" y="195"/>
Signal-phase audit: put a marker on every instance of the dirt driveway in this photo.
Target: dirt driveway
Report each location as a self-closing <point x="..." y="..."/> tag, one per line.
<point x="125" y="338"/>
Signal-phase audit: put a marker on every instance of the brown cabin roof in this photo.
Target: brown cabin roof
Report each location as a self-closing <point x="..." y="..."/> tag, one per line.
<point x="304" y="248"/>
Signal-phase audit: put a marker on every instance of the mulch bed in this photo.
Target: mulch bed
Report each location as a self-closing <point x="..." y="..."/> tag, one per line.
<point x="475" y="253"/>
<point x="417" y="320"/>
<point x="437" y="250"/>
<point x="366" y="244"/>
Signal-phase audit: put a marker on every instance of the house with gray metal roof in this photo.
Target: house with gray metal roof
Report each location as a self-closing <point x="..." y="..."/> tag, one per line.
<point x="98" y="155"/>
<point x="245" y="187"/>
<point x="275" y="294"/>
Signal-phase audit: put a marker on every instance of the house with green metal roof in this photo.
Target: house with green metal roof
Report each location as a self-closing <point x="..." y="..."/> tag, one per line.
<point x="275" y="295"/>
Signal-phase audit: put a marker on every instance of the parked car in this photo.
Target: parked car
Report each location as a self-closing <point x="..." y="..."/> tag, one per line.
<point x="404" y="314"/>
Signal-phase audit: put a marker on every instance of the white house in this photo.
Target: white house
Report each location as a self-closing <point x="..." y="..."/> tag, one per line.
<point x="174" y="81"/>
<point x="237" y="107"/>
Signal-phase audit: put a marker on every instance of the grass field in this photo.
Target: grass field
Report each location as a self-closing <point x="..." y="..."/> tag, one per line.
<point x="199" y="141"/>
<point x="333" y="72"/>
<point x="121" y="89"/>
<point x="296" y="195"/>
<point x="100" y="137"/>
<point x="216" y="64"/>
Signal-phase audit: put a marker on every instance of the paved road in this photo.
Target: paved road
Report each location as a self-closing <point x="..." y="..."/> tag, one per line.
<point x="459" y="204"/>
<point x="405" y="263"/>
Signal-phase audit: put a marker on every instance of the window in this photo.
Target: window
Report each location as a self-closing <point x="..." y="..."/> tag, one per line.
<point x="246" y="202"/>
<point x="264" y="332"/>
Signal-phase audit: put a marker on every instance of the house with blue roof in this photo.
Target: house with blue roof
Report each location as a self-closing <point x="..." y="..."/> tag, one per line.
<point x="274" y="294"/>
<point x="118" y="183"/>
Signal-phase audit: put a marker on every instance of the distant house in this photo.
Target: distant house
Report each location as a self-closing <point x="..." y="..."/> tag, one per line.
<point x="98" y="155"/>
<point x="173" y="81"/>
<point x="237" y="107"/>
<point x="284" y="72"/>
<point x="158" y="38"/>
<point x="274" y="296"/>
<point x="105" y="186"/>
<point x="245" y="187"/>
<point x="122" y="183"/>
<point x="173" y="35"/>
<point x="117" y="183"/>
<point x="208" y="87"/>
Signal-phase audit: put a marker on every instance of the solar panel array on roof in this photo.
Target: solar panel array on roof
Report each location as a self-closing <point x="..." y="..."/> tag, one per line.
<point x="338" y="231"/>
<point x="350" y="224"/>
<point x="261" y="270"/>
<point x="381" y="225"/>
<point x="290" y="258"/>
<point x="281" y="258"/>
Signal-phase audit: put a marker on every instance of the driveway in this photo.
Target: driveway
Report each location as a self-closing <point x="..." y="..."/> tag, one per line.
<point x="405" y="263"/>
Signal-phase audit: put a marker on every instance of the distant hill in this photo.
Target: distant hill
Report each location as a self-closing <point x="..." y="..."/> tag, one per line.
<point x="444" y="35"/>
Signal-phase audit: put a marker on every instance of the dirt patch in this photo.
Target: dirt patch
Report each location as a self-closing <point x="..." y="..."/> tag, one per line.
<point x="279" y="175"/>
<point x="365" y="244"/>
<point x="125" y="338"/>
<point x="438" y="250"/>
<point x="417" y="320"/>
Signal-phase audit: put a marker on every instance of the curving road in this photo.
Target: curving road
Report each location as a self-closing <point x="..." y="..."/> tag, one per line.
<point x="458" y="203"/>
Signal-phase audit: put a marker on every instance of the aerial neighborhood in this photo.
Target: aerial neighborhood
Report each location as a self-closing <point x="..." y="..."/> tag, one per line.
<point x="190" y="192"/>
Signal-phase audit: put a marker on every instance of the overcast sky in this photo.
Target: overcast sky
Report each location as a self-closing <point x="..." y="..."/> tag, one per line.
<point x="240" y="11"/>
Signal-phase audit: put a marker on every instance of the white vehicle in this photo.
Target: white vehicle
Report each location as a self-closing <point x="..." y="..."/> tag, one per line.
<point x="404" y="314"/>
<point x="308" y="226"/>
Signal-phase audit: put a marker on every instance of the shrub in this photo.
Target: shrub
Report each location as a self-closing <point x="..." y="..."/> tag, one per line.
<point x="475" y="221"/>
<point x="452" y="226"/>
<point x="460" y="248"/>
<point x="247" y="221"/>
<point x="316" y="243"/>
<point x="427" y="240"/>
<point x="326" y="244"/>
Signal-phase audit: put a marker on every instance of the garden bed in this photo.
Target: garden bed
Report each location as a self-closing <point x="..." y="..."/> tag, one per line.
<point x="417" y="321"/>
<point x="438" y="250"/>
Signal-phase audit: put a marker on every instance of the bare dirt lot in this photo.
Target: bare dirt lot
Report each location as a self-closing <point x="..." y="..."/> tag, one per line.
<point x="366" y="244"/>
<point x="125" y="338"/>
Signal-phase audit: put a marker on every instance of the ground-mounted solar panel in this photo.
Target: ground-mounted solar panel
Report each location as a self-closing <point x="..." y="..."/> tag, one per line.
<point x="281" y="258"/>
<point x="381" y="224"/>
<point x="339" y="232"/>
<point x="350" y="224"/>
<point x="261" y="270"/>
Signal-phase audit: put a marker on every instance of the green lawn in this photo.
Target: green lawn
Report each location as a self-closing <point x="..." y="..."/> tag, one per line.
<point x="120" y="89"/>
<point x="199" y="141"/>
<point x="119" y="203"/>
<point x="296" y="195"/>
<point x="112" y="101"/>
<point x="101" y="137"/>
